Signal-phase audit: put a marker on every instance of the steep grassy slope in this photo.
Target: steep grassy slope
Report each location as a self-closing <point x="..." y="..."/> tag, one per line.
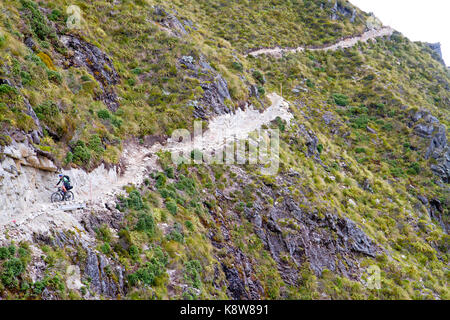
<point x="253" y="24"/>
<point x="365" y="146"/>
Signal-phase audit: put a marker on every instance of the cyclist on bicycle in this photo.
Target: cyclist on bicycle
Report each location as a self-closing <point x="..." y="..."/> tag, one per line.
<point x="65" y="183"/>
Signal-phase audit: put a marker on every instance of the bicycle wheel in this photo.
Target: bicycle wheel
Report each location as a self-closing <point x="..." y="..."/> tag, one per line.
<point x="56" y="197"/>
<point x="69" y="196"/>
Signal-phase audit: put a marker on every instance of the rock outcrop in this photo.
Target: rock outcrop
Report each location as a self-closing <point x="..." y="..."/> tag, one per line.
<point x="105" y="276"/>
<point x="170" y="21"/>
<point x="293" y="233"/>
<point x="319" y="239"/>
<point x="23" y="171"/>
<point x="214" y="86"/>
<point x="99" y="65"/>
<point x="436" y="47"/>
<point x="434" y="134"/>
<point x="24" y="155"/>
<point x="339" y="10"/>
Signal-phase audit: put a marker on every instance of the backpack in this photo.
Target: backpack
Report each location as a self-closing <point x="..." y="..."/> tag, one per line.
<point x="68" y="182"/>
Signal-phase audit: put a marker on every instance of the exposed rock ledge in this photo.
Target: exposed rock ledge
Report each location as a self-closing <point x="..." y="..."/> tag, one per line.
<point x="25" y="155"/>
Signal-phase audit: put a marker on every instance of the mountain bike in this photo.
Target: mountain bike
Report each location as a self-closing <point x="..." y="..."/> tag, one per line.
<point x="58" y="196"/>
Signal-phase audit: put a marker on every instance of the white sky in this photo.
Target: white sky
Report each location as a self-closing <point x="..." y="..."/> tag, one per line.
<point x="418" y="20"/>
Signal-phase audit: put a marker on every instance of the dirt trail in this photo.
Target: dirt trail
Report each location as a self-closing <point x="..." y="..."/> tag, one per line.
<point x="235" y="126"/>
<point x="93" y="190"/>
<point x="102" y="185"/>
<point x="346" y="43"/>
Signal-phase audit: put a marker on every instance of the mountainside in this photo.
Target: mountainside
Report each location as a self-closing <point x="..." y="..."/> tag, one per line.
<point x="355" y="205"/>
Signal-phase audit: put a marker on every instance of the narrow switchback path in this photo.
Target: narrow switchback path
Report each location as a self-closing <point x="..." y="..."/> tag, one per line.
<point x="345" y="43"/>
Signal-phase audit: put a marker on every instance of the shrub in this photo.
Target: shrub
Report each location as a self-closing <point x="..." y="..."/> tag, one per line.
<point x="134" y="201"/>
<point x="105" y="248"/>
<point x="189" y="225"/>
<point x="319" y="148"/>
<point x="134" y="252"/>
<point x="258" y="76"/>
<point x="360" y="122"/>
<point x="12" y="250"/>
<point x="310" y="84"/>
<point x="175" y="235"/>
<point x="171" y="205"/>
<point x="280" y="124"/>
<point x="387" y="127"/>
<point x="95" y="144"/>
<point x="237" y="66"/>
<point x="26" y="77"/>
<point x="146" y="224"/>
<point x="160" y="180"/>
<point x="397" y="172"/>
<point x="39" y="286"/>
<point x="54" y="282"/>
<point x="46" y="110"/>
<point x="2" y="41"/>
<point x="4" y="253"/>
<point x="192" y="270"/>
<point x="131" y="82"/>
<point x="81" y="153"/>
<point x="116" y="122"/>
<point x="379" y="106"/>
<point x="11" y="270"/>
<point x="413" y="169"/>
<point x="85" y="78"/>
<point x="137" y="71"/>
<point x="103" y="114"/>
<point x="186" y="184"/>
<point x="22" y="252"/>
<point x="340" y="99"/>
<point x="152" y="269"/>
<point x="55" y="15"/>
<point x="8" y="90"/>
<point x="169" y="173"/>
<point x="261" y="90"/>
<point x="392" y="113"/>
<point x="166" y="193"/>
<point x="196" y="154"/>
<point x="37" y="20"/>
<point x="54" y="76"/>
<point x="69" y="157"/>
<point x="104" y="233"/>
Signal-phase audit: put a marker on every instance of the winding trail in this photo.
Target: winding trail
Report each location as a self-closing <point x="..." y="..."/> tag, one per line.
<point x="100" y="187"/>
<point x="345" y="43"/>
<point x="234" y="126"/>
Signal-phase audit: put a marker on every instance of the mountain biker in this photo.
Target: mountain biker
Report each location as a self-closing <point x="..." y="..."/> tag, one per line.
<point x="65" y="183"/>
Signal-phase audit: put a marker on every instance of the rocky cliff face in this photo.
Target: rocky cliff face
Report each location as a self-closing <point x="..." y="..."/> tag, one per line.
<point x="436" y="47"/>
<point x="23" y="177"/>
<point x="435" y="134"/>
<point x="83" y="54"/>
<point x="363" y="160"/>
<point x="215" y="88"/>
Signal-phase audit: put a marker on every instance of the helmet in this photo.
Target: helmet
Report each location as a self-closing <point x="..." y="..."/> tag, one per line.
<point x="60" y="175"/>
